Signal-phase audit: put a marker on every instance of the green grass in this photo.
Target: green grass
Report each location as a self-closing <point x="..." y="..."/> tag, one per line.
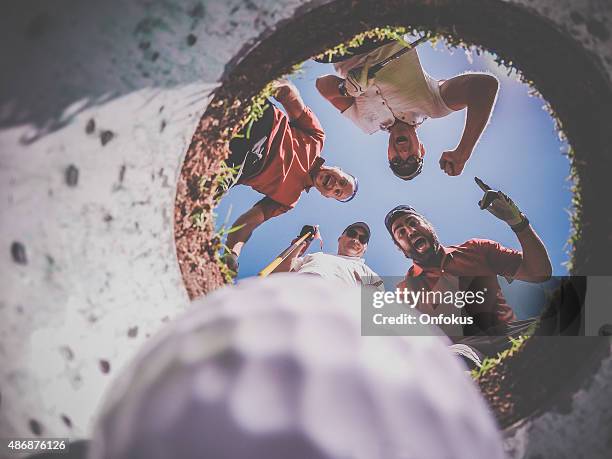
<point x="257" y="104"/>
<point x="199" y="218"/>
<point x="228" y="274"/>
<point x="378" y="33"/>
<point x="515" y="345"/>
<point x="254" y="110"/>
<point x="222" y="182"/>
<point x="489" y="363"/>
<point x="219" y="246"/>
<point x="575" y="213"/>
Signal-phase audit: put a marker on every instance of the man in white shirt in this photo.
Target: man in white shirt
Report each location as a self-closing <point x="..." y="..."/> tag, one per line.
<point x="347" y="266"/>
<point x="401" y="96"/>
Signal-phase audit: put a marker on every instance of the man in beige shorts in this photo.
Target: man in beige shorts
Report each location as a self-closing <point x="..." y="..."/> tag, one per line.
<point x="400" y="96"/>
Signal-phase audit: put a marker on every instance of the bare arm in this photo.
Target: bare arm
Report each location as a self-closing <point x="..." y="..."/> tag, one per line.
<point x="535" y="266"/>
<point x="251" y="219"/>
<point x="327" y="86"/>
<point x="285" y="266"/>
<point x="263" y="210"/>
<point x="477" y="92"/>
<point x="289" y="96"/>
<point x="298" y="251"/>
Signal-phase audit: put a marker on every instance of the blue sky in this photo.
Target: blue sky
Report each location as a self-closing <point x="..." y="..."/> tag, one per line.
<point x="519" y="153"/>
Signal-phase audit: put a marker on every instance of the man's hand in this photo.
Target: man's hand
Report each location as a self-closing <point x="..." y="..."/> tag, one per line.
<point x="452" y="162"/>
<point x="288" y="263"/>
<point x="289" y="96"/>
<point x="357" y="82"/>
<point x="283" y="89"/>
<point x="313" y="230"/>
<point x="370" y="282"/>
<point x="477" y="92"/>
<point x="535" y="265"/>
<point x="231" y="261"/>
<point x="499" y="204"/>
<point x="314" y="233"/>
<point x="329" y="87"/>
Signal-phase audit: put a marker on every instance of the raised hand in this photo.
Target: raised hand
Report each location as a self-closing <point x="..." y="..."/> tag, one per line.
<point x="452" y="162"/>
<point x="499" y="204"/>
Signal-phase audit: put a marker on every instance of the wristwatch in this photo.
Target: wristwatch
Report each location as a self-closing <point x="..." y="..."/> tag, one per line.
<point x="522" y="225"/>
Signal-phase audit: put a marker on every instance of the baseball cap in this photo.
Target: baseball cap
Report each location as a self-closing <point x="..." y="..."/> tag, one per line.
<point x="363" y="225"/>
<point x="354" y="191"/>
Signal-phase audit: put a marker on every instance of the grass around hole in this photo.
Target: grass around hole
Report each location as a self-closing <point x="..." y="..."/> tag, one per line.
<point x="489" y="363"/>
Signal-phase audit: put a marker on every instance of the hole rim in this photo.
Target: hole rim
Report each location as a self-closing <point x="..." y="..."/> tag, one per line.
<point x="500" y="28"/>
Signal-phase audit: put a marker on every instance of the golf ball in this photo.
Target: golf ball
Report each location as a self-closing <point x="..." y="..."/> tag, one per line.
<point x="277" y="368"/>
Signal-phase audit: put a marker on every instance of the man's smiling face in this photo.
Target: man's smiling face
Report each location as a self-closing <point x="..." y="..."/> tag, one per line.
<point x="415" y="236"/>
<point x="350" y="243"/>
<point x="333" y="182"/>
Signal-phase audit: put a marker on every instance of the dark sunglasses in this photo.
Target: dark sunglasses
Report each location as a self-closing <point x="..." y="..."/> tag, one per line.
<point x="408" y="168"/>
<point x="353" y="234"/>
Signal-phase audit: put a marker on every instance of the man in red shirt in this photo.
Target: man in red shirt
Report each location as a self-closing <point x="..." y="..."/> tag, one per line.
<point x="280" y="156"/>
<point x="474" y="264"/>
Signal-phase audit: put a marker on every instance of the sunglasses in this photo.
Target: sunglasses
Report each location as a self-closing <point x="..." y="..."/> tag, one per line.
<point x="406" y="168"/>
<point x="353" y="234"/>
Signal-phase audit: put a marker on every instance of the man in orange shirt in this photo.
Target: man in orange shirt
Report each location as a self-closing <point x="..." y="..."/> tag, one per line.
<point x="281" y="158"/>
<point x="472" y="267"/>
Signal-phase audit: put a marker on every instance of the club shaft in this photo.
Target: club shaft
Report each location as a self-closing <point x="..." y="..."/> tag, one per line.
<point x="376" y="67"/>
<point x="282" y="256"/>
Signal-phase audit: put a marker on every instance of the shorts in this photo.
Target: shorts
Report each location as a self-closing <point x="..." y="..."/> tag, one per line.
<point x="249" y="149"/>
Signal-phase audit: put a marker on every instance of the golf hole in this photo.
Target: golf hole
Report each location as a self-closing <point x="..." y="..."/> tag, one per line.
<point x="548" y="60"/>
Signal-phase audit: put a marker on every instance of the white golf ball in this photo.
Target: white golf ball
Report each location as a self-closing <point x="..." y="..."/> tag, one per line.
<point x="277" y="368"/>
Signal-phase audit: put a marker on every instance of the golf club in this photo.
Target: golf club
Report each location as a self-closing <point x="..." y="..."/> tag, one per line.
<point x="377" y="67"/>
<point x="307" y="232"/>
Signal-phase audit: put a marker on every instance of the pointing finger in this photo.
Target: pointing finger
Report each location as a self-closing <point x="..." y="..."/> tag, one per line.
<point x="485" y="201"/>
<point x="483" y="186"/>
<point x="488" y="198"/>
